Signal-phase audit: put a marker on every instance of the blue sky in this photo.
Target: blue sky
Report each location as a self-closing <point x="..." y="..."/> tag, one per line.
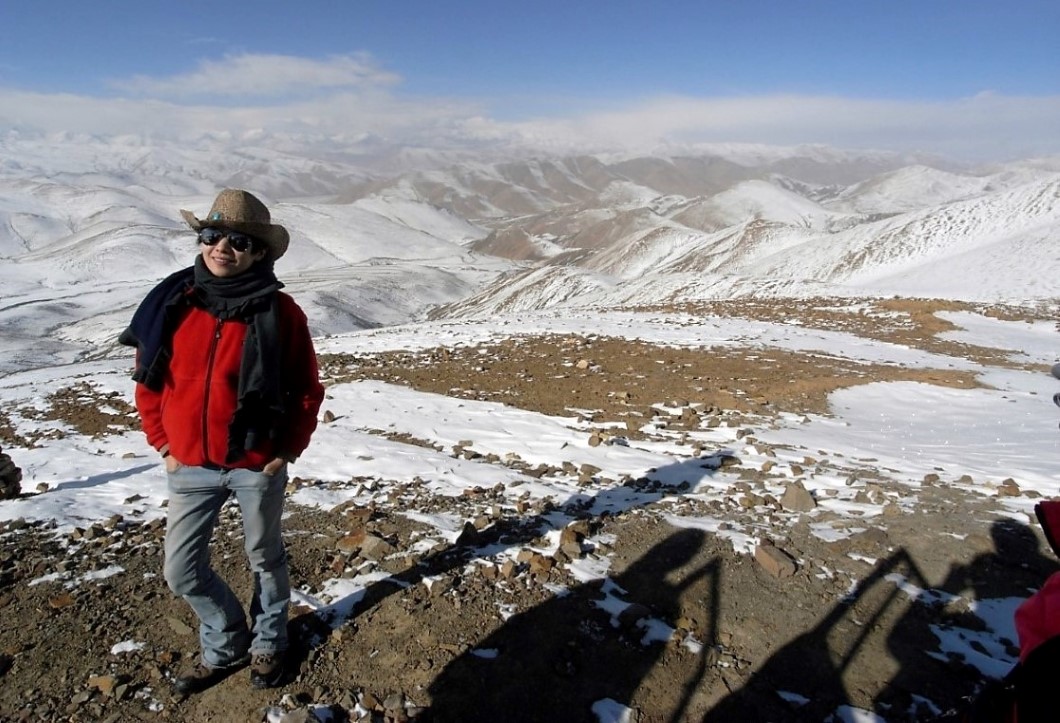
<point x="903" y="75"/>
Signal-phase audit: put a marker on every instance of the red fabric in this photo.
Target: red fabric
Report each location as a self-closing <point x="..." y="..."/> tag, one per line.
<point x="1049" y="516"/>
<point x="193" y="410"/>
<point x="1038" y="617"/>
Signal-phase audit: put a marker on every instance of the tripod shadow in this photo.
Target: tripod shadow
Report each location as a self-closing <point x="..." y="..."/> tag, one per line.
<point x="804" y="680"/>
<point x="574" y="656"/>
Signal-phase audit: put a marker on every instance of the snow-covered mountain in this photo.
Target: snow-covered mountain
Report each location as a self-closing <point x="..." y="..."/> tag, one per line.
<point x="916" y="231"/>
<point x="87" y="225"/>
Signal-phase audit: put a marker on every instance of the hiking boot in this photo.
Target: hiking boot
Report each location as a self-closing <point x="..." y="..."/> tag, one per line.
<point x="204" y="676"/>
<point x="266" y="669"/>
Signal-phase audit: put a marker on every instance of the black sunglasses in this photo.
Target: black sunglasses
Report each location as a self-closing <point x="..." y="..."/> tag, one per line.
<point x="238" y="241"/>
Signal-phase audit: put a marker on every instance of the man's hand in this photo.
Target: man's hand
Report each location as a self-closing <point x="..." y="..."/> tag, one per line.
<point x="274" y="466"/>
<point x="172" y="465"/>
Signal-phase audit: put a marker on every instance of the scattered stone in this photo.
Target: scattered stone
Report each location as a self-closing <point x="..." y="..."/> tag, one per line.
<point x="797" y="498"/>
<point x="351" y="542"/>
<point x="103" y="683"/>
<point x="468" y="536"/>
<point x="775" y="561"/>
<point x="633" y="614"/>
<point x="63" y="600"/>
<point x="1008" y="488"/>
<point x="179" y="626"/>
<point x="508" y="569"/>
<point x="376" y="547"/>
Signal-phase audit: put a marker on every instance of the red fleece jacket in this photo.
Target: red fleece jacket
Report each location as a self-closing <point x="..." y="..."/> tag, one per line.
<point x="1038" y="617"/>
<point x="192" y="412"/>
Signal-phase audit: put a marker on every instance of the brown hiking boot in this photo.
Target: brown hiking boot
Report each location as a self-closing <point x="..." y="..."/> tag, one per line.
<point x="203" y="676"/>
<point x="266" y="669"/>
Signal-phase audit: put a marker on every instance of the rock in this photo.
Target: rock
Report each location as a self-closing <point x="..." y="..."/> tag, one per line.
<point x="541" y="566"/>
<point x="1008" y="488"/>
<point x="468" y="536"/>
<point x="872" y="541"/>
<point x="371" y="703"/>
<point x="179" y="626"/>
<point x="797" y="498"/>
<point x="376" y="547"/>
<point x="103" y="683"/>
<point x="632" y="614"/>
<point x="775" y="561"/>
<point x="351" y="542"/>
<point x="892" y="509"/>
<point x="63" y="600"/>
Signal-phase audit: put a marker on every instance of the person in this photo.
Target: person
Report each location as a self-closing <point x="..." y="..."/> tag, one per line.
<point x="228" y="391"/>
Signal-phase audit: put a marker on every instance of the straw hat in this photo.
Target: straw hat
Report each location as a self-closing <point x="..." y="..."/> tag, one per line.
<point x="241" y="211"/>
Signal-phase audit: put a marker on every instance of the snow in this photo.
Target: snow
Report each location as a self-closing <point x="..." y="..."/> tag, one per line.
<point x="905" y="427"/>
<point x="86" y="230"/>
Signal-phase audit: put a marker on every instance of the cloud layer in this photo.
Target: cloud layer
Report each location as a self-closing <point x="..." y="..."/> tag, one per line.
<point x="263" y="76"/>
<point x="351" y="96"/>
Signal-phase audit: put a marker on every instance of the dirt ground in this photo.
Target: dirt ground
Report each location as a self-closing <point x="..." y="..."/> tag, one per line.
<point x="444" y="640"/>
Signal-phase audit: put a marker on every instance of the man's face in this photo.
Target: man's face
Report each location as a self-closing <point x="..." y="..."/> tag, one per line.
<point x="223" y="260"/>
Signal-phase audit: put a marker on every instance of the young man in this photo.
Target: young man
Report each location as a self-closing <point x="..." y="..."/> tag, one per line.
<point x="228" y="393"/>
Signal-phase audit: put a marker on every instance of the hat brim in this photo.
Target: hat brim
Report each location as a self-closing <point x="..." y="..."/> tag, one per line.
<point x="274" y="235"/>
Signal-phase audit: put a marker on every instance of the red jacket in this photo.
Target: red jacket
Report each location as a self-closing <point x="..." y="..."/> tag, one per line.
<point x="192" y="412"/>
<point x="1038" y="617"/>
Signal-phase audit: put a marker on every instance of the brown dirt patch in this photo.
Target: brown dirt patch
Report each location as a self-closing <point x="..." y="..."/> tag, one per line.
<point x="620" y="379"/>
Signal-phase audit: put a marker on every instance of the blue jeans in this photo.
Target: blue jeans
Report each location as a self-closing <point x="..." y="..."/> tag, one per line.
<point x="196" y="495"/>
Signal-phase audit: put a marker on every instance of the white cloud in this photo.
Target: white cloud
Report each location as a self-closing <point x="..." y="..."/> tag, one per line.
<point x="984" y="126"/>
<point x="350" y="97"/>
<point x="256" y="75"/>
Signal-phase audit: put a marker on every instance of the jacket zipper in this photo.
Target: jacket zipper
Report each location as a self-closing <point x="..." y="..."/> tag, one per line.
<point x="206" y="391"/>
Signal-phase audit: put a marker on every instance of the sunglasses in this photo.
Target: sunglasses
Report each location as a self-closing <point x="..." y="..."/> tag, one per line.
<point x="238" y="241"/>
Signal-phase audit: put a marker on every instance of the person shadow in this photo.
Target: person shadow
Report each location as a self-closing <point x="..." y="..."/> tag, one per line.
<point x="806" y="679"/>
<point x="971" y="615"/>
<point x="581" y="655"/>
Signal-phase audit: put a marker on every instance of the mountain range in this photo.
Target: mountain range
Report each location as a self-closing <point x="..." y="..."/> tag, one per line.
<point x="88" y="224"/>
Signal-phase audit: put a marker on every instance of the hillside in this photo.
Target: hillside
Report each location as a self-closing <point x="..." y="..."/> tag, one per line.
<point x="747" y="511"/>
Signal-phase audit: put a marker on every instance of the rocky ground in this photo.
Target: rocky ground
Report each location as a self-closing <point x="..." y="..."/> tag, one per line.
<point x="444" y="640"/>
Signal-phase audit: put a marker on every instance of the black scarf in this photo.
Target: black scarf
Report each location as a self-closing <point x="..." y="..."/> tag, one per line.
<point x="250" y="297"/>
